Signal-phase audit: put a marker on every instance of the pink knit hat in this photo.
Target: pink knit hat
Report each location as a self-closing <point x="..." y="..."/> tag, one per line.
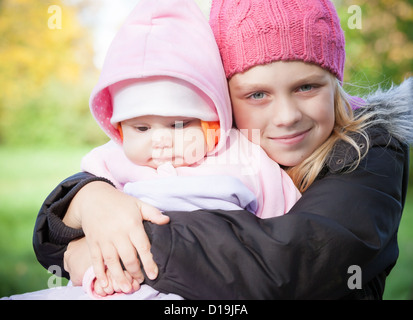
<point x="255" y="32"/>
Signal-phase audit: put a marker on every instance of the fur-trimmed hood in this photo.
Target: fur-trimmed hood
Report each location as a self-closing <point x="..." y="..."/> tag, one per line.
<point x="393" y="110"/>
<point x="390" y="115"/>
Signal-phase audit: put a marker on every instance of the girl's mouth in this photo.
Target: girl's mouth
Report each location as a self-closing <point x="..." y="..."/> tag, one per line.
<point x="292" y="139"/>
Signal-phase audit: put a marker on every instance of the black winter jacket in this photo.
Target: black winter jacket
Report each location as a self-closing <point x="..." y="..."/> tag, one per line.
<point x="342" y="220"/>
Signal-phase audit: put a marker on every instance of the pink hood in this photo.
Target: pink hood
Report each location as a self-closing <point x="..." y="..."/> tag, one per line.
<point x="164" y="38"/>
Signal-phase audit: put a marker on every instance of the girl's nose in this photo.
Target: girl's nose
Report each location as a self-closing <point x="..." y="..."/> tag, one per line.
<point x="285" y="112"/>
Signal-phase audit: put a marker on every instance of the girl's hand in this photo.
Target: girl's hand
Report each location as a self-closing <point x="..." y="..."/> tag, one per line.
<point x="112" y="223"/>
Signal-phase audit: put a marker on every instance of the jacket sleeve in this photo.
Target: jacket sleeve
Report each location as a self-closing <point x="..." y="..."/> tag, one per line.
<point x="51" y="236"/>
<point x="341" y="220"/>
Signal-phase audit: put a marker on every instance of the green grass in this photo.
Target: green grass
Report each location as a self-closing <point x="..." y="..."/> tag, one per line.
<point x="399" y="284"/>
<point x="28" y="175"/>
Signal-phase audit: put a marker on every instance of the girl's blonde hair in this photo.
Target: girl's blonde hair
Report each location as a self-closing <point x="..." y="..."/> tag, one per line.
<point x="345" y="127"/>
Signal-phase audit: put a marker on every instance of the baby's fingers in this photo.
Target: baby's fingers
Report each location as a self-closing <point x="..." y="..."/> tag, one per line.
<point x="135" y="285"/>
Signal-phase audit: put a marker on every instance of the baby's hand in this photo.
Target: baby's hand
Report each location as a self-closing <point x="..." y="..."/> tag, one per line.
<point x="113" y="287"/>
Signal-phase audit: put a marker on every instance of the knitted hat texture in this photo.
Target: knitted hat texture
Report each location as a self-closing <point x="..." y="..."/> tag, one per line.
<point x="255" y="32"/>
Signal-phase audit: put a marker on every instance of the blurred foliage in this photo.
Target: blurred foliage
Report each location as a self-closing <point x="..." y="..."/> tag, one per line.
<point x="381" y="52"/>
<point x="46" y="75"/>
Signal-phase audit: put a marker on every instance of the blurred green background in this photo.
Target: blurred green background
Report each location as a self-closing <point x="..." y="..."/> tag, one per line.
<point x="47" y="74"/>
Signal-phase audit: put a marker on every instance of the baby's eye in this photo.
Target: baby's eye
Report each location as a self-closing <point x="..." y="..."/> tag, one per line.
<point x="257" y="95"/>
<point x="180" y="124"/>
<point x="142" y="128"/>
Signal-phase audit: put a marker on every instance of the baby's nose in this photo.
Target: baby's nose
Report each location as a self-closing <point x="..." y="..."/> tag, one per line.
<point x="162" y="139"/>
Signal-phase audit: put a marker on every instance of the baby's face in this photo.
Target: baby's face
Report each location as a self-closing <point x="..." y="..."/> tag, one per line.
<point x="155" y="140"/>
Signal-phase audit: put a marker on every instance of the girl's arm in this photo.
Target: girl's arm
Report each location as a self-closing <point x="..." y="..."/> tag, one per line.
<point x="51" y="236"/>
<point x="342" y="220"/>
<point x="111" y="220"/>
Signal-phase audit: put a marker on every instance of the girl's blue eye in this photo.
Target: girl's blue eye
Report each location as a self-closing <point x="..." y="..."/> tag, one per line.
<point x="257" y="95"/>
<point x="306" y="87"/>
